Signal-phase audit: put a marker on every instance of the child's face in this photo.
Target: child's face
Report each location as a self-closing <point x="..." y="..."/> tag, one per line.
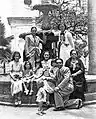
<point x="54" y="64"/>
<point x="27" y="66"/>
<point x="16" y="57"/>
<point x="46" y="55"/>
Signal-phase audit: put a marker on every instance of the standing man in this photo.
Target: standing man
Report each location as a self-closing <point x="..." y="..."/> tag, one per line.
<point x="32" y="47"/>
<point x="64" y="87"/>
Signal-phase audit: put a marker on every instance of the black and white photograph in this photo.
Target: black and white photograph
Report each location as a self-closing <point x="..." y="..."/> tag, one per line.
<point x="47" y="59"/>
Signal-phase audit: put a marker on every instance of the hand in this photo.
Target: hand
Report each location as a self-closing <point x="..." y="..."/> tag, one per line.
<point x="56" y="89"/>
<point x="73" y="75"/>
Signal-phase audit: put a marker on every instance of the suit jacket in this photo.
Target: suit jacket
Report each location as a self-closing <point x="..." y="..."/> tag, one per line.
<point x="64" y="79"/>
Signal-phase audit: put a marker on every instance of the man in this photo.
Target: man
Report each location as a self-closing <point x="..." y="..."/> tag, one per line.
<point x="32" y="47"/>
<point x="64" y="87"/>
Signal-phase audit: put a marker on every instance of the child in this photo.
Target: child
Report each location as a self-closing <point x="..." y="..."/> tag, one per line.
<point x="41" y="97"/>
<point x="16" y="74"/>
<point x="28" y="78"/>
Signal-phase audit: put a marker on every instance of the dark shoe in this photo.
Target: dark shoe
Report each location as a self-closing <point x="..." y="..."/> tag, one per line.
<point x="59" y="109"/>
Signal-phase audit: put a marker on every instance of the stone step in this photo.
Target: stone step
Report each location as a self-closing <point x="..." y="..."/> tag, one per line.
<point x="5" y="90"/>
<point x="90" y="96"/>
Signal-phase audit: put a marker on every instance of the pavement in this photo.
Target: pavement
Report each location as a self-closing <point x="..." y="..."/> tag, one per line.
<point x="10" y="112"/>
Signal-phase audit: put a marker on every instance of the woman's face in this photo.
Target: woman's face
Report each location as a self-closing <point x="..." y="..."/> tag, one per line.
<point x="46" y="55"/>
<point x="27" y="65"/>
<point x="62" y="27"/>
<point x="74" y="54"/>
<point x="16" y="57"/>
<point x="34" y="30"/>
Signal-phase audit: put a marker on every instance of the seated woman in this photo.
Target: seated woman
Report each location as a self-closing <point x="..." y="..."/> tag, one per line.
<point x="28" y="78"/>
<point x="16" y="75"/>
<point x="77" y="71"/>
<point x="43" y="74"/>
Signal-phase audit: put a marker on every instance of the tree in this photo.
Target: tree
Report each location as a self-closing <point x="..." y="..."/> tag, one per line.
<point x="5" y="52"/>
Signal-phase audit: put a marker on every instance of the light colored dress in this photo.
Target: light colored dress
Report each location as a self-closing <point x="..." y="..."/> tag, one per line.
<point x="65" y="50"/>
<point x="32" y="48"/>
<point x="16" y="82"/>
<point x="41" y="95"/>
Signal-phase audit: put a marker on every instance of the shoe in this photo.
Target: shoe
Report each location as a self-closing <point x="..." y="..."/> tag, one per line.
<point x="79" y="104"/>
<point x="39" y="113"/>
<point x="59" y="109"/>
<point x="19" y="102"/>
<point x="16" y="103"/>
<point x="43" y="112"/>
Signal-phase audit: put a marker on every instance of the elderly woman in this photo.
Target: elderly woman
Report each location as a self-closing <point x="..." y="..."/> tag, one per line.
<point x="77" y="71"/>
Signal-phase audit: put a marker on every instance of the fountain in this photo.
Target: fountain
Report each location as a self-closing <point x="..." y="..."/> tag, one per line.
<point x="45" y="7"/>
<point x="46" y="34"/>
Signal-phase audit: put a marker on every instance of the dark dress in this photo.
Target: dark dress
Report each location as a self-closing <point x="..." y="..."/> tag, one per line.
<point x="80" y="85"/>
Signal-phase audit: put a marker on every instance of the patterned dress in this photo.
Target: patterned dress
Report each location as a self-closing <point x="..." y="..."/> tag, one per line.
<point x="79" y="80"/>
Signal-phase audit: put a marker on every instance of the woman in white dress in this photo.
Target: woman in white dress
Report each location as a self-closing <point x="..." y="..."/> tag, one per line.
<point x="16" y="75"/>
<point x="66" y="43"/>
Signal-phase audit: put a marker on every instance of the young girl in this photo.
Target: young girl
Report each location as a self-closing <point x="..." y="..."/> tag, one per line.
<point x="27" y="78"/>
<point x="16" y="74"/>
<point x="41" y="98"/>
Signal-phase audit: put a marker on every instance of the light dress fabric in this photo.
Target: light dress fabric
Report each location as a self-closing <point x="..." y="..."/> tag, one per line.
<point x="65" y="50"/>
<point x="41" y="95"/>
<point x="16" y="83"/>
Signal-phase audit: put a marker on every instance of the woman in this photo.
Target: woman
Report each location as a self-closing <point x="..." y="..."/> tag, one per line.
<point x="32" y="47"/>
<point x="78" y="73"/>
<point x="66" y="43"/>
<point x="16" y="75"/>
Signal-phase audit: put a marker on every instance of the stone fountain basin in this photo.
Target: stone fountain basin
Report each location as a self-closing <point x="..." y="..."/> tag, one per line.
<point x="44" y="7"/>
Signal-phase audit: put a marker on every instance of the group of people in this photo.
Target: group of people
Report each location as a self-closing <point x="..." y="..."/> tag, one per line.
<point x="63" y="76"/>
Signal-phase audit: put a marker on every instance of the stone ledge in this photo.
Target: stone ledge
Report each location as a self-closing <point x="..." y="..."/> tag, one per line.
<point x="90" y="78"/>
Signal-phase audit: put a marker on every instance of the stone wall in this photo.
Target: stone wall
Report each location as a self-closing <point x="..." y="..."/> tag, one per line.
<point x="19" y="25"/>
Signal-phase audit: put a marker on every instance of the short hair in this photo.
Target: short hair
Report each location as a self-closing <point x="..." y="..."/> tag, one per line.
<point x="33" y="28"/>
<point x="26" y="63"/>
<point x="62" y="25"/>
<point x="53" y="61"/>
<point x="59" y="59"/>
<point x="62" y="33"/>
<point x="13" y="56"/>
<point x="72" y="51"/>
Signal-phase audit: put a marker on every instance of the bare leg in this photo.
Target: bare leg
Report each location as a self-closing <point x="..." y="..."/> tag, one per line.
<point x="31" y="90"/>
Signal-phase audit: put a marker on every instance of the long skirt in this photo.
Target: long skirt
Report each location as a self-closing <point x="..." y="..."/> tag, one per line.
<point x="65" y="52"/>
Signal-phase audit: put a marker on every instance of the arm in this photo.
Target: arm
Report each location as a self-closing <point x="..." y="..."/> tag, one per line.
<point x="70" y="39"/>
<point x="27" y="44"/>
<point x="82" y="69"/>
<point x="67" y="75"/>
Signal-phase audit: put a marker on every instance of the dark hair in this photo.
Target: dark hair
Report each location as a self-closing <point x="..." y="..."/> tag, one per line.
<point x="59" y="59"/>
<point x="62" y="33"/>
<point x="53" y="61"/>
<point x="33" y="28"/>
<point x="13" y="56"/>
<point x="72" y="51"/>
<point x="26" y="63"/>
<point x="63" y="25"/>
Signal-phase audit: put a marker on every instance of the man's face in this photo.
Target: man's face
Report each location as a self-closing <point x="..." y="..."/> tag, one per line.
<point x="59" y="64"/>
